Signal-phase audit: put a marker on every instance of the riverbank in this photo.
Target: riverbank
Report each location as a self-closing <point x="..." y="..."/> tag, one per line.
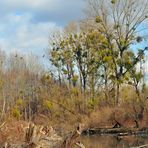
<point x="22" y="133"/>
<point x="37" y="136"/>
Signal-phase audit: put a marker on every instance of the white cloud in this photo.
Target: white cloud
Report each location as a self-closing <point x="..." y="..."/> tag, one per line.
<point x="20" y="34"/>
<point x="146" y="66"/>
<point x="25" y="25"/>
<point x="61" y="11"/>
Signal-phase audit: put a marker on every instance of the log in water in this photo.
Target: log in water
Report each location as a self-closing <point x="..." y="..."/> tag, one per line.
<point x="116" y="131"/>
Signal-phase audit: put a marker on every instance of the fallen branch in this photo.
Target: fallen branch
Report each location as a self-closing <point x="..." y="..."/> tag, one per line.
<point x="117" y="125"/>
<point x="33" y="134"/>
<point x="65" y="108"/>
<point x="71" y="140"/>
<point x="115" y="131"/>
<point x="39" y="136"/>
<point x="142" y="146"/>
<point x="2" y="125"/>
<point x="79" y="144"/>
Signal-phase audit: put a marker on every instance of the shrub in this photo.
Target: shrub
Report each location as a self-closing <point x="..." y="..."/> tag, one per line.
<point x="16" y="113"/>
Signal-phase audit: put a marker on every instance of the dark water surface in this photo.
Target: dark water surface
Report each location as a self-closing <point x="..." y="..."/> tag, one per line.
<point x="114" y="141"/>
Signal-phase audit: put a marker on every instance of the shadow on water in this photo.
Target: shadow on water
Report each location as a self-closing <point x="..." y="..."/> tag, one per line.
<point x="113" y="141"/>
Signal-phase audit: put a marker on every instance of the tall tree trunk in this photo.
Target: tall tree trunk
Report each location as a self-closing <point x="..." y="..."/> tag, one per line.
<point x="117" y="94"/>
<point x="106" y="84"/>
<point x="69" y="76"/>
<point x="92" y="86"/>
<point x="84" y="83"/>
<point x="60" y="81"/>
<point x="81" y="83"/>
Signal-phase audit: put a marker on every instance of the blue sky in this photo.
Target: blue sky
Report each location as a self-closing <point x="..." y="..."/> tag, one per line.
<point x="25" y="25"/>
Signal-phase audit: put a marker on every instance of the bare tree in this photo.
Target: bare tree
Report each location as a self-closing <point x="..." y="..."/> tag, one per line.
<point x="121" y="21"/>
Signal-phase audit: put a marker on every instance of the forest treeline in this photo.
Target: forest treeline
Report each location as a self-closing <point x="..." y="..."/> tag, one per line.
<point x="96" y="73"/>
<point x="103" y="56"/>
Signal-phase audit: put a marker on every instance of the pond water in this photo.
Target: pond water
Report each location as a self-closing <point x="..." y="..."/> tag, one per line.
<point x="114" y="141"/>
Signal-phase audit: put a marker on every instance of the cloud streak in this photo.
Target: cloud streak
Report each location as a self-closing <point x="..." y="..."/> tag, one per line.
<point x="25" y="25"/>
<point x="59" y="11"/>
<point x="20" y="34"/>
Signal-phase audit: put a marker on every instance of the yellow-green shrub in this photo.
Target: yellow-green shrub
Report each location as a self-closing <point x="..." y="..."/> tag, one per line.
<point x="16" y="113"/>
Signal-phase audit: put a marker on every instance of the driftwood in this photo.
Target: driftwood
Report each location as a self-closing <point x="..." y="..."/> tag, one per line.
<point x="142" y="146"/>
<point x="37" y="137"/>
<point x="33" y="134"/>
<point x="80" y="145"/>
<point x="115" y="131"/>
<point x="117" y="125"/>
<point x="45" y="137"/>
<point x="2" y="125"/>
<point x="71" y="140"/>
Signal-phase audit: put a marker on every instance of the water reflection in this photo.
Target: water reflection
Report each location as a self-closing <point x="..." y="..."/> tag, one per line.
<point x="113" y="141"/>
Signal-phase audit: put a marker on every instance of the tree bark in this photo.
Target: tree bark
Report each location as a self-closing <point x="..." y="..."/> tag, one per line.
<point x="117" y="94"/>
